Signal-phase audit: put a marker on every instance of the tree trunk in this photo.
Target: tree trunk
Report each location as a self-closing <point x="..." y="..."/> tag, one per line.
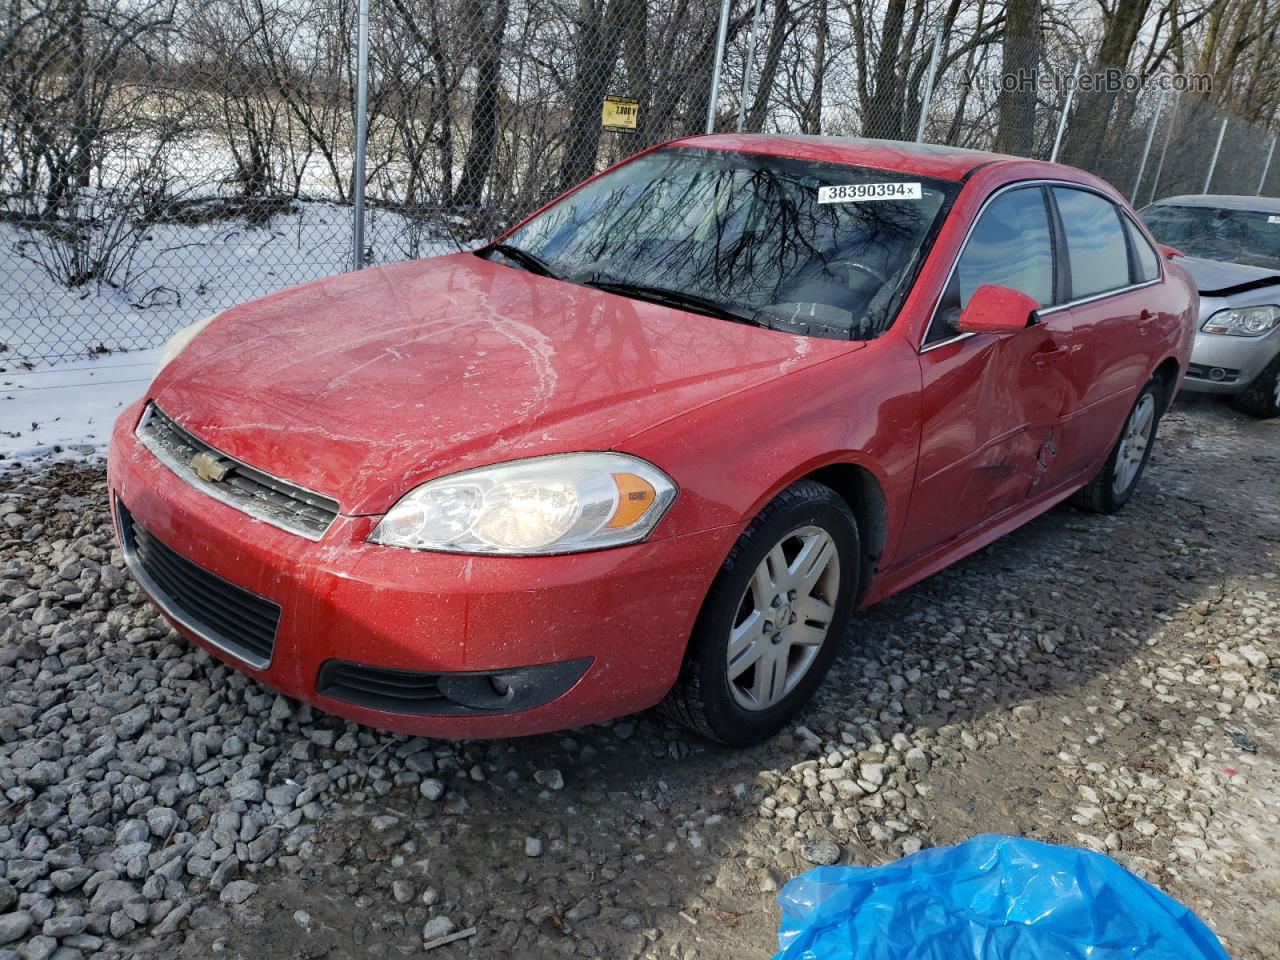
<point x="883" y="118"/>
<point x="484" y="112"/>
<point x="1017" y="104"/>
<point x="599" y="36"/>
<point x="1087" y="134"/>
<point x="778" y="33"/>
<point x="80" y="75"/>
<point x="811" y="121"/>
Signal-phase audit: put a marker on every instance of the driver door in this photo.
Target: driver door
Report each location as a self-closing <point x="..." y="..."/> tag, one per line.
<point x="991" y="406"/>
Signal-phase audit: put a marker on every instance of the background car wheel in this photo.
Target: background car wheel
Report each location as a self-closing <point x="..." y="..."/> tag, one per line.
<point x="772" y="620"/>
<point x="1262" y="398"/>
<point x="1114" y="485"/>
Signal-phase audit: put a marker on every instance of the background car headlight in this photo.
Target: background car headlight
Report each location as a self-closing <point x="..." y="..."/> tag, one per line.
<point x="179" y="340"/>
<point x="1243" y="321"/>
<point x="557" y="504"/>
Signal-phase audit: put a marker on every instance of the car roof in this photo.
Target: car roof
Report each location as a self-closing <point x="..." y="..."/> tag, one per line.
<point x="1222" y="201"/>
<point x="925" y="159"/>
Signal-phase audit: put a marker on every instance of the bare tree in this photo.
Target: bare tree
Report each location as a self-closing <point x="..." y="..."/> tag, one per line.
<point x="488" y="29"/>
<point x="1016" y="133"/>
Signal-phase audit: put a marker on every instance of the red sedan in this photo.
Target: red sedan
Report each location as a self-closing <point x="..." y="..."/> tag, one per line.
<point x="657" y="442"/>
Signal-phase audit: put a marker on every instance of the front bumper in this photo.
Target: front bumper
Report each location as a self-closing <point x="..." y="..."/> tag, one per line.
<point x="620" y="618"/>
<point x="1224" y="364"/>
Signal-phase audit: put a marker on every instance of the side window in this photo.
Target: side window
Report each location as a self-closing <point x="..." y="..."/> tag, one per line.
<point x="1096" y="248"/>
<point x="1148" y="261"/>
<point x="1010" y="246"/>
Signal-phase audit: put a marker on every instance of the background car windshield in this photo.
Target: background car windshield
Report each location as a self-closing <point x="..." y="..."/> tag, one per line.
<point x="1235" y="236"/>
<point x="744" y="231"/>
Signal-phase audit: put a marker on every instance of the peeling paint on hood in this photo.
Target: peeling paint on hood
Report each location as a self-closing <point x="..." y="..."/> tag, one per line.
<point x="364" y="385"/>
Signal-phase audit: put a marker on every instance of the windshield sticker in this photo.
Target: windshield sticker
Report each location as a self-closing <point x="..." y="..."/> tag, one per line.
<point x="862" y="192"/>
<point x="1273" y="219"/>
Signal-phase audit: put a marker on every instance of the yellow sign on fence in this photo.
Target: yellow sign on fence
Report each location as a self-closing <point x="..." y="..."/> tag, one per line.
<point x="620" y="114"/>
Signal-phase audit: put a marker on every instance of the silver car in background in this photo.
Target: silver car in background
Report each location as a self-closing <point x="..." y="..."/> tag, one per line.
<point x="1231" y="248"/>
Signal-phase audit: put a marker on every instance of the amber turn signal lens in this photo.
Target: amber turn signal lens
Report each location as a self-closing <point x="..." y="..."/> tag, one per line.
<point x="635" y="496"/>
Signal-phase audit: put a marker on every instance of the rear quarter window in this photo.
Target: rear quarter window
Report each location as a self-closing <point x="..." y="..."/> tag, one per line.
<point x="1147" y="260"/>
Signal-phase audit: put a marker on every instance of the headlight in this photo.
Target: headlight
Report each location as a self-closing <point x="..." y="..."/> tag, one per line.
<point x="1243" y="321"/>
<point x="180" y="339"/>
<point x="558" y="504"/>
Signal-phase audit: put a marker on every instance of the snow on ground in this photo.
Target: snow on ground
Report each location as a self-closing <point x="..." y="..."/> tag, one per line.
<point x="68" y="410"/>
<point x="59" y="390"/>
<point x="181" y="273"/>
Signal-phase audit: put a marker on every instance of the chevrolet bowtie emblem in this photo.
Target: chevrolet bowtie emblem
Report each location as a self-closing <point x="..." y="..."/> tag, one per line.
<point x="209" y="468"/>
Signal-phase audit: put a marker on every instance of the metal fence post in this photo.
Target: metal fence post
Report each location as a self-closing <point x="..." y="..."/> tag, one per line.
<point x="362" y="137"/>
<point x="749" y="66"/>
<point x="927" y="97"/>
<point x="721" y="36"/>
<point x="1146" y="150"/>
<point x="1066" y="109"/>
<point x="1208" y="177"/>
<point x="1266" y="167"/>
<point x="1168" y="135"/>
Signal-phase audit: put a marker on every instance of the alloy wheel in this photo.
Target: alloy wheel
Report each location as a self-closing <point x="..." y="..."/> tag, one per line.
<point x="1134" y="443"/>
<point x="783" y="618"/>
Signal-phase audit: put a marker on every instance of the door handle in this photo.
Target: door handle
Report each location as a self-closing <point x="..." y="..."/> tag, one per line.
<point x="1042" y="357"/>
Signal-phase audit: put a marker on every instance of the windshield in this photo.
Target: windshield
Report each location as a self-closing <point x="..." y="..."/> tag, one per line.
<point x="1235" y="236"/>
<point x="747" y="233"/>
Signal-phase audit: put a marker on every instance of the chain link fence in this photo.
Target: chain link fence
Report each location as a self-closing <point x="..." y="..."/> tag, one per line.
<point x="163" y="159"/>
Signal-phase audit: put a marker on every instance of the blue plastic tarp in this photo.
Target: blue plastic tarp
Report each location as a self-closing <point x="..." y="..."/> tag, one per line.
<point x="990" y="898"/>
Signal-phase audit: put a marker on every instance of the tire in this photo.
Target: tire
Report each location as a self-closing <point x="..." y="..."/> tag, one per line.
<point x="778" y="665"/>
<point x="1111" y="489"/>
<point x="1262" y="397"/>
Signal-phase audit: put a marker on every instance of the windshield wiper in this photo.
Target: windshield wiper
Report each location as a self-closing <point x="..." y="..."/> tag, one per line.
<point x="671" y="298"/>
<point x="531" y="262"/>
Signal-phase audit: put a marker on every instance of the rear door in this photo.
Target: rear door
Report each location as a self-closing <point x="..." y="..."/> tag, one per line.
<point x="1111" y="273"/>
<point x="991" y="405"/>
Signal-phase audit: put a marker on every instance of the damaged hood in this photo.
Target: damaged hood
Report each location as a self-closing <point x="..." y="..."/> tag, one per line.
<point x="365" y="385"/>
<point x="1220" y="278"/>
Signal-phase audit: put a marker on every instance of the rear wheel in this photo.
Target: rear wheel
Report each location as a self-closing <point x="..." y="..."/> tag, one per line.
<point x="1262" y="397"/>
<point x="772" y="620"/>
<point x="1114" y="485"/>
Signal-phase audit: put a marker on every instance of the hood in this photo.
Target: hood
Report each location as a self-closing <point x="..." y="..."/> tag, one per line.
<point x="364" y="385"/>
<point x="1220" y="278"/>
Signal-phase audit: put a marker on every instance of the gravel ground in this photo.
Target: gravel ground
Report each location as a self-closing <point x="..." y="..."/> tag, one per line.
<point x="1105" y="682"/>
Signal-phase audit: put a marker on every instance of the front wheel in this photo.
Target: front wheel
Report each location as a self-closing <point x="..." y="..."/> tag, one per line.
<point x="772" y="620"/>
<point x="1114" y="485"/>
<point x="1262" y="397"/>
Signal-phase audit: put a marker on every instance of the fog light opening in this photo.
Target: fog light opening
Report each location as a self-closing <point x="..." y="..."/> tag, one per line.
<point x="448" y="694"/>
<point x="1217" y="373"/>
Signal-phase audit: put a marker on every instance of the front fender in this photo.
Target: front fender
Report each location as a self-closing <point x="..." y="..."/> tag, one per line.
<point x="730" y="457"/>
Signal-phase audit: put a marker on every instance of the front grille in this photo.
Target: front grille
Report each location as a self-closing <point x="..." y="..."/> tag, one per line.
<point x="249" y="490"/>
<point x="230" y="617"/>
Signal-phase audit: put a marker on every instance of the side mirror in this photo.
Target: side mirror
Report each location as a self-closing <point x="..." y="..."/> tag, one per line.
<point x="1170" y="252"/>
<point x="997" y="310"/>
